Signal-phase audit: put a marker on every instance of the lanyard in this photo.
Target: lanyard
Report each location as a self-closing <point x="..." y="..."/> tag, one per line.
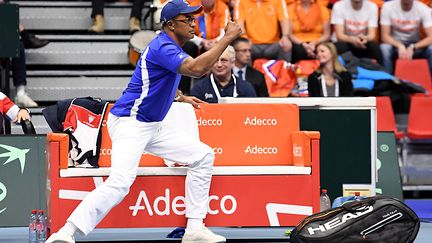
<point x="324" y="87"/>
<point x="216" y="90"/>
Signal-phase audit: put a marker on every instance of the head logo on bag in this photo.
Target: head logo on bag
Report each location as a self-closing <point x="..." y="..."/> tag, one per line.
<point x="375" y="219"/>
<point x="340" y="220"/>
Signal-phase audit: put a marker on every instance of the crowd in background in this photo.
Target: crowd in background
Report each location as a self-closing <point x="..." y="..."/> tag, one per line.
<point x="292" y="30"/>
<point x="287" y="30"/>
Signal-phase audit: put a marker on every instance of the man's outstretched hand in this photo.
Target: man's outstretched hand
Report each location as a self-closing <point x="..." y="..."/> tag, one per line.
<point x="192" y="100"/>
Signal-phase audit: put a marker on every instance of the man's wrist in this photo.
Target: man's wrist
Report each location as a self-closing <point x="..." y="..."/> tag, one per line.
<point x="23" y="108"/>
<point x="179" y="96"/>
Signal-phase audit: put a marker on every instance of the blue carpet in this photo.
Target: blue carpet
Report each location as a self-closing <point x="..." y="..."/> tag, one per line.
<point x="422" y="207"/>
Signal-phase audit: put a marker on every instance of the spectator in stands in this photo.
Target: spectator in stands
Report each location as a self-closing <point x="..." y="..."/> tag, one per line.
<point x="331" y="79"/>
<point x="135" y="124"/>
<point x="97" y="16"/>
<point x="221" y="82"/>
<point x="310" y="25"/>
<point x="210" y="23"/>
<point x="231" y="5"/>
<point x="19" y="71"/>
<point x="400" y="31"/>
<point x="209" y="28"/>
<point x="266" y="24"/>
<point x="244" y="71"/>
<point x="30" y="40"/>
<point x="11" y="111"/>
<point x="324" y="3"/>
<point x="19" y="75"/>
<point x="355" y="23"/>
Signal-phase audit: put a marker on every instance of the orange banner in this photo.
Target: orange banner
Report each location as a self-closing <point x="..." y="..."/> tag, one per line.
<point x="249" y="134"/>
<point x="240" y="134"/>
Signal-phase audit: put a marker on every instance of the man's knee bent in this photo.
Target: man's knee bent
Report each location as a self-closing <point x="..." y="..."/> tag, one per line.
<point x="120" y="182"/>
<point x="207" y="159"/>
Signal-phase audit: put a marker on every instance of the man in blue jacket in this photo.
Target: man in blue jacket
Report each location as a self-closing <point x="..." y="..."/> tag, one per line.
<point x="135" y="125"/>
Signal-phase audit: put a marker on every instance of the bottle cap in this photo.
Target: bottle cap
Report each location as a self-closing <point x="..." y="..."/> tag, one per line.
<point x="324" y="190"/>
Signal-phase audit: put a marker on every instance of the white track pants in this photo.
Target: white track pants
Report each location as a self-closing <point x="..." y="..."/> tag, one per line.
<point x="130" y="138"/>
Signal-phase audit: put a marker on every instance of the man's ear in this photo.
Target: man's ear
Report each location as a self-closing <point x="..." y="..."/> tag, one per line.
<point x="170" y="25"/>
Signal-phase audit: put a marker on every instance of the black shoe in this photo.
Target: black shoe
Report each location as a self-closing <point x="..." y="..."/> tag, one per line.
<point x="31" y="41"/>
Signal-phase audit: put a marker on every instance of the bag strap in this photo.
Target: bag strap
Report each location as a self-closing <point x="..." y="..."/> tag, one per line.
<point x="357" y="206"/>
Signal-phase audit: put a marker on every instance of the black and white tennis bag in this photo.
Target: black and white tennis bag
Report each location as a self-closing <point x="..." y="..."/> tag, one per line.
<point x="373" y="219"/>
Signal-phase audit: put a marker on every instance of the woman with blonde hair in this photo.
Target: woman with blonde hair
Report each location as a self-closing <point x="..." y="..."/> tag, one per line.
<point x="331" y="79"/>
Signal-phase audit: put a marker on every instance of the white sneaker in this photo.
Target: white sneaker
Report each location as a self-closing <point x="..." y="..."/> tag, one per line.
<point x="25" y="101"/>
<point x="203" y="235"/>
<point x="60" y="237"/>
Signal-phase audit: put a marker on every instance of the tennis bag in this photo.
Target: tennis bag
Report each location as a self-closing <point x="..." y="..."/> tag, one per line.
<point x="373" y="219"/>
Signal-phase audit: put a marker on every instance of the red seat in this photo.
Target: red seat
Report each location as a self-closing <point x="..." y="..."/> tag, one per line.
<point x="385" y="117"/>
<point x="416" y="71"/>
<point x="420" y="117"/>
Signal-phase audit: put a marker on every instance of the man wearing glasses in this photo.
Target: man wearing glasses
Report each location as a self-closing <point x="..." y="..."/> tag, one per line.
<point x="243" y="70"/>
<point x="135" y="125"/>
<point x="221" y="82"/>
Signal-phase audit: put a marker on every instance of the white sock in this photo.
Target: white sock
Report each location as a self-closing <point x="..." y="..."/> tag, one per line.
<point x="69" y="228"/>
<point x="193" y="223"/>
<point x="20" y="90"/>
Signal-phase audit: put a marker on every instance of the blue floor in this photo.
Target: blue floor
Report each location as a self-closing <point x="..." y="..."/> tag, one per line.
<point x="422" y="207"/>
<point x="20" y="235"/>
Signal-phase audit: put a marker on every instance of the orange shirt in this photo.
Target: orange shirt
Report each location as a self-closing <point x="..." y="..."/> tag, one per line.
<point x="214" y="21"/>
<point x="192" y="2"/>
<point x="322" y="2"/>
<point x="261" y="19"/>
<point x="313" y="34"/>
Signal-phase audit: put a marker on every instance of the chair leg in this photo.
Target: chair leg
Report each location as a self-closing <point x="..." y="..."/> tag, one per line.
<point x="404" y="159"/>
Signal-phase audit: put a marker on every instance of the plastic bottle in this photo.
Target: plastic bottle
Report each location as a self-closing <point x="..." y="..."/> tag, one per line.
<point x="324" y="200"/>
<point x="357" y="196"/>
<point x="32" y="227"/>
<point x="41" y="226"/>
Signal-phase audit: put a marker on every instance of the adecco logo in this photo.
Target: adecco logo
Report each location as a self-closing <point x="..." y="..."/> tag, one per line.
<point x="163" y="205"/>
<point x="218" y="150"/>
<point x="260" y="121"/>
<point x="209" y="122"/>
<point x="108" y="151"/>
<point x="260" y="150"/>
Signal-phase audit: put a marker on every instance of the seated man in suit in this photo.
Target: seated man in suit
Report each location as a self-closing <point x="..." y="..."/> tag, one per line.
<point x="221" y="82"/>
<point x="244" y="71"/>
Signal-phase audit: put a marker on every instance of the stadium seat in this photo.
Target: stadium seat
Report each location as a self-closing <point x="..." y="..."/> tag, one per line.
<point x="419" y="119"/>
<point x="416" y="71"/>
<point x="385" y="117"/>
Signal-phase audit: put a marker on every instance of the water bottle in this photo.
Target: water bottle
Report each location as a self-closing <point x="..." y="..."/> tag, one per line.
<point x="357" y="196"/>
<point x="32" y="227"/>
<point x="41" y="226"/>
<point x="324" y="201"/>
